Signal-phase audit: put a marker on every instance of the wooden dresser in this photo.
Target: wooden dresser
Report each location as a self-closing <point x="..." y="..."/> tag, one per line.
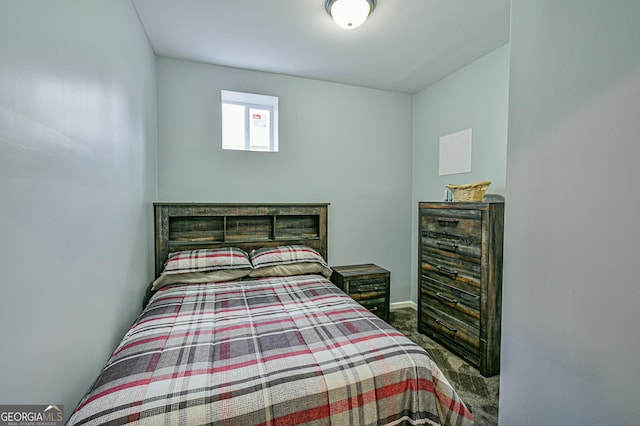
<point x="460" y="279"/>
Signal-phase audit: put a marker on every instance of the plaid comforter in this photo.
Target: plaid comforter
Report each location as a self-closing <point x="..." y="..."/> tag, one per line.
<point x="272" y="351"/>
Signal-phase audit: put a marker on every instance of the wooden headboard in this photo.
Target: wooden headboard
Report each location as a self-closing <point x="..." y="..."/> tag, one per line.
<point x="188" y="226"/>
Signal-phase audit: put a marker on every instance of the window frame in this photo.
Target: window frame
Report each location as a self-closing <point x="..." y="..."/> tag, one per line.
<point x="251" y="101"/>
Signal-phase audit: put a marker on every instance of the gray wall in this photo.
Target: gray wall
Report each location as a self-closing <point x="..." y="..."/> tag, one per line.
<point x="474" y="97"/>
<point x="571" y="334"/>
<point x="345" y="145"/>
<point x="77" y="174"/>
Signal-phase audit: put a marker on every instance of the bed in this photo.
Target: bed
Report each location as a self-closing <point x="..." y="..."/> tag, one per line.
<point x="243" y="327"/>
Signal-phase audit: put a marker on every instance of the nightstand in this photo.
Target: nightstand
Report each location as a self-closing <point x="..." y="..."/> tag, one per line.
<point x="368" y="284"/>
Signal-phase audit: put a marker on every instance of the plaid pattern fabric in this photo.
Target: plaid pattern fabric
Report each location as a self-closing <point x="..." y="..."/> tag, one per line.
<point x="205" y="260"/>
<point x="272" y="351"/>
<point x="288" y="255"/>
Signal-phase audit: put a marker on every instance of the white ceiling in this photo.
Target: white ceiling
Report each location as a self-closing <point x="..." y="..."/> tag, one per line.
<point x="405" y="45"/>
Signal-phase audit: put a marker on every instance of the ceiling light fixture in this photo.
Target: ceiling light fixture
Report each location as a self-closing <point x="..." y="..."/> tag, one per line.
<point x="349" y="14"/>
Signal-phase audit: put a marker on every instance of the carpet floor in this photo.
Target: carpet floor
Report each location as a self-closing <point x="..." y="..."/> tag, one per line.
<point x="480" y="394"/>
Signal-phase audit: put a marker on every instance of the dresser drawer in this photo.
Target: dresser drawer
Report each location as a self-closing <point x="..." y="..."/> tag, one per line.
<point x="465" y="276"/>
<point x="452" y="245"/>
<point x="450" y="330"/>
<point x="458" y="304"/>
<point x="453" y="233"/>
<point x="452" y="221"/>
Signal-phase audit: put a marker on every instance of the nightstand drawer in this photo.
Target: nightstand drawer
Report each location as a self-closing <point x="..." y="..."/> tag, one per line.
<point x="377" y="306"/>
<point x="368" y="284"/>
<point x="361" y="296"/>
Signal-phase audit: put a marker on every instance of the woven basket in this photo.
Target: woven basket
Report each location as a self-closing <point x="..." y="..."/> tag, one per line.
<point x="470" y="191"/>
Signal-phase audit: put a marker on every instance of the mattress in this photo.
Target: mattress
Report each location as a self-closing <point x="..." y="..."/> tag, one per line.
<point x="272" y="351"/>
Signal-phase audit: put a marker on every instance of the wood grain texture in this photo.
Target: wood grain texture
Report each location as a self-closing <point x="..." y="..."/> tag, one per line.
<point x="189" y="226"/>
<point x="368" y="284"/>
<point x="460" y="279"/>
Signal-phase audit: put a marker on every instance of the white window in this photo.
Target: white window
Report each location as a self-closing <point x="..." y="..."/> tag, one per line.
<point x="249" y="121"/>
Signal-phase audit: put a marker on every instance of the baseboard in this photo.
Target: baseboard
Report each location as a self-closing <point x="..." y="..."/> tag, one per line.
<point x="407" y="304"/>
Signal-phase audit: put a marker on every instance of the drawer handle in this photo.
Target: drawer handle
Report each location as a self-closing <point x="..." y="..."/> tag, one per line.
<point x="441" y="324"/>
<point x="373" y="309"/>
<point x="448" y="246"/>
<point x="447" y="222"/>
<point x="447" y="270"/>
<point x="446" y="299"/>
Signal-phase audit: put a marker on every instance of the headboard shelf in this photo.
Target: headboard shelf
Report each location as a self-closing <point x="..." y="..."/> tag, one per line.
<point x="186" y="226"/>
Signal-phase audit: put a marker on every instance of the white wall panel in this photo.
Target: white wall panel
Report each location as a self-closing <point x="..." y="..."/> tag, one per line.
<point x="475" y="97"/>
<point x="344" y="145"/>
<point x="570" y="339"/>
<point x="77" y="175"/>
